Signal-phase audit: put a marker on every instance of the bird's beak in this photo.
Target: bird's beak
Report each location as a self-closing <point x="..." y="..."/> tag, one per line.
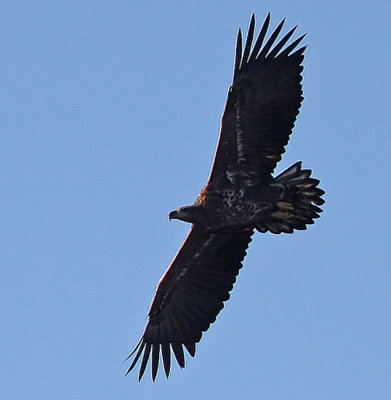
<point x="173" y="215"/>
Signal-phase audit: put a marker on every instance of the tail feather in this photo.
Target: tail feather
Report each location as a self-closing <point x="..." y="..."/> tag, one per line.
<point x="298" y="206"/>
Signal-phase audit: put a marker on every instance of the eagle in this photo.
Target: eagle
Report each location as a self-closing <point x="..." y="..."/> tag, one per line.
<point x="240" y="197"/>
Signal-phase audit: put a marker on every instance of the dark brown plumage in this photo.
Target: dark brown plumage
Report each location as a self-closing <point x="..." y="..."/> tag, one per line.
<point x="240" y="196"/>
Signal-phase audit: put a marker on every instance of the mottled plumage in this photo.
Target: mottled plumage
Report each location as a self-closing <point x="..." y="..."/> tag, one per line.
<point x="241" y="196"/>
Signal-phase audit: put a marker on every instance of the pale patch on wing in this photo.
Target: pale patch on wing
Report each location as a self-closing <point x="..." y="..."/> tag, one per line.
<point x="239" y="138"/>
<point x="182" y="273"/>
<point x="197" y="254"/>
<point x="234" y="172"/>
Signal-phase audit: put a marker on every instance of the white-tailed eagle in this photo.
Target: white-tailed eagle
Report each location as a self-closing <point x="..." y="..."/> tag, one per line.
<point x="241" y="196"/>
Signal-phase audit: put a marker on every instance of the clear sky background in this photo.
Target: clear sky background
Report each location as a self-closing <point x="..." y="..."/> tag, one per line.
<point x="110" y="112"/>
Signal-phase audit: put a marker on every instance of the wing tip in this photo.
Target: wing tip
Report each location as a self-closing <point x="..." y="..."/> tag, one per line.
<point x="260" y="51"/>
<point x="238" y="54"/>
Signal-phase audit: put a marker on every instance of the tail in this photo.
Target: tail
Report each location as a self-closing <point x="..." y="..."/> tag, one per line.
<point x="298" y="204"/>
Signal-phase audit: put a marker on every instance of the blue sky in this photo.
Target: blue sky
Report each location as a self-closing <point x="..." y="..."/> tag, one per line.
<point x="110" y="113"/>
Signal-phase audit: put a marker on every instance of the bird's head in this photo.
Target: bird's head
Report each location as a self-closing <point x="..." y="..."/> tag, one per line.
<point x="193" y="214"/>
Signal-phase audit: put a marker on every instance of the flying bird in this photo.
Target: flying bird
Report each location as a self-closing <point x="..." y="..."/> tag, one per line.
<point x="240" y="197"/>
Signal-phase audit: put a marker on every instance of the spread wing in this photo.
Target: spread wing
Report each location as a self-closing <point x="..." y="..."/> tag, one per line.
<point x="263" y="102"/>
<point x="190" y="295"/>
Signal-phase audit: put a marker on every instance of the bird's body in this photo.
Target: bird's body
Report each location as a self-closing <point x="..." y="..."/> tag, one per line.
<point x="266" y="206"/>
<point x="218" y="209"/>
<point x="241" y="196"/>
